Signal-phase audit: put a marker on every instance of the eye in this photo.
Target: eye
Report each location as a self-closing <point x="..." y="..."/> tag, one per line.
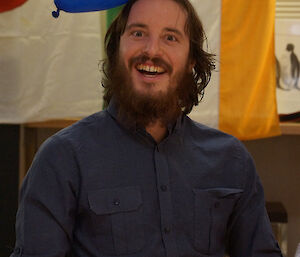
<point x="171" y="38"/>
<point x="137" y="33"/>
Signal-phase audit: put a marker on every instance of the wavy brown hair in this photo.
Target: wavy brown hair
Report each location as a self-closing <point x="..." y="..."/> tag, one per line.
<point x="204" y="62"/>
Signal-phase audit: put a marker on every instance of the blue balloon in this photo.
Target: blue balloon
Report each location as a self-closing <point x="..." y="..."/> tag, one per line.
<point x="75" y="6"/>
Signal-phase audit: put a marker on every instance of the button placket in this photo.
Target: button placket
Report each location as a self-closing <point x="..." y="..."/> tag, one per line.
<point x="217" y="205"/>
<point x="167" y="230"/>
<point x="163" y="188"/>
<point x="165" y="201"/>
<point x="116" y="202"/>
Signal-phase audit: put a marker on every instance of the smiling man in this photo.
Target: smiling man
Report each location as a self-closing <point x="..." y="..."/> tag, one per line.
<point x="159" y="68"/>
<point x="140" y="178"/>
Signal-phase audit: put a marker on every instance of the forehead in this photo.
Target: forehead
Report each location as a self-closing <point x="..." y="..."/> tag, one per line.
<point x="158" y="13"/>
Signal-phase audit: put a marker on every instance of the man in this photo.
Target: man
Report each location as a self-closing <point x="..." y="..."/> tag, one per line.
<point x="141" y="178"/>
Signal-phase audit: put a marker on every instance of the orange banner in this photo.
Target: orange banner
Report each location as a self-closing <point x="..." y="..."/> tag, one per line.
<point x="247" y="88"/>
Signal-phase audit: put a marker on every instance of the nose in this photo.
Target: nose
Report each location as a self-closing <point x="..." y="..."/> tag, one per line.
<point x="153" y="47"/>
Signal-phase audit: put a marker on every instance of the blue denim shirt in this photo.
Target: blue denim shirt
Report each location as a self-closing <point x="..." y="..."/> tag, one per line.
<point x="99" y="188"/>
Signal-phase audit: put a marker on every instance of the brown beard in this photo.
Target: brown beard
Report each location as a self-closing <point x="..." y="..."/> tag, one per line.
<point x="143" y="109"/>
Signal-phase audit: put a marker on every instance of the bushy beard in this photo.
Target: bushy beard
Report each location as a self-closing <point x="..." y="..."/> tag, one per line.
<point x="144" y="109"/>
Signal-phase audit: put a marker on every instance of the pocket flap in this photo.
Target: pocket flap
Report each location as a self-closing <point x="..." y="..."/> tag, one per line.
<point x="108" y="201"/>
<point x="219" y="192"/>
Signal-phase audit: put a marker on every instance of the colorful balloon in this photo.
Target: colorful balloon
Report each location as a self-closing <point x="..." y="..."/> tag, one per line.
<point x="75" y="6"/>
<point x="9" y="5"/>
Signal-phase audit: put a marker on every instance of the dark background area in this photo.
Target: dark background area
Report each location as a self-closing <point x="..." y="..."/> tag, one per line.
<point x="9" y="177"/>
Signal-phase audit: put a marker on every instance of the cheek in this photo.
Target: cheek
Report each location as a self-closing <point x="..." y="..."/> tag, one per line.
<point x="126" y="53"/>
<point x="181" y="62"/>
<point x="180" y="57"/>
<point x="129" y="47"/>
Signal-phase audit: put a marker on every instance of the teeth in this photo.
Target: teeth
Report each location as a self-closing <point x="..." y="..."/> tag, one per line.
<point x="159" y="69"/>
<point x="148" y="68"/>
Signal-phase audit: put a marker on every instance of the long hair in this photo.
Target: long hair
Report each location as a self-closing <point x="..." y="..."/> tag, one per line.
<point x="204" y="62"/>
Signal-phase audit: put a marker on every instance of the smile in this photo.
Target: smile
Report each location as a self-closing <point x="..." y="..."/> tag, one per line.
<point x="150" y="69"/>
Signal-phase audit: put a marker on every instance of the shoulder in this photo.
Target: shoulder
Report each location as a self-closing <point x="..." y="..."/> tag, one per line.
<point x="93" y="127"/>
<point x="218" y="146"/>
<point x="88" y="126"/>
<point x="211" y="137"/>
<point x="60" y="152"/>
<point x="224" y="152"/>
<point x="72" y="139"/>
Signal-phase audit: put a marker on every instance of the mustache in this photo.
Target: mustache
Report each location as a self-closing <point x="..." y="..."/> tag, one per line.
<point x="155" y="60"/>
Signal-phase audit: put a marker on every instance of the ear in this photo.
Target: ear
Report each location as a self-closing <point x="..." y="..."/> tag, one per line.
<point x="75" y="6"/>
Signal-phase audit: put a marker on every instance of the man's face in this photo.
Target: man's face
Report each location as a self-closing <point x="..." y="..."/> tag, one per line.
<point x="154" y="48"/>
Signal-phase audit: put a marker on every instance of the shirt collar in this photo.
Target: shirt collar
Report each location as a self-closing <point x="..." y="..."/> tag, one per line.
<point x="113" y="110"/>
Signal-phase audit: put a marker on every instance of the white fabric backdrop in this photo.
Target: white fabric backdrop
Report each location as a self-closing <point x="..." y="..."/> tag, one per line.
<point x="48" y="67"/>
<point x="207" y="112"/>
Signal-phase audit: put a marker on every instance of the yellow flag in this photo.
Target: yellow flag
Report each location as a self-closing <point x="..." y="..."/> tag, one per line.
<point x="247" y="69"/>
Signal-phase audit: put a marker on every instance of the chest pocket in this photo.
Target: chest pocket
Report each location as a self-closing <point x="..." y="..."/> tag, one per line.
<point x="213" y="208"/>
<point x="117" y="217"/>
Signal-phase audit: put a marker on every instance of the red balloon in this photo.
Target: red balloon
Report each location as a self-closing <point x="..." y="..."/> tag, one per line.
<point x="6" y="5"/>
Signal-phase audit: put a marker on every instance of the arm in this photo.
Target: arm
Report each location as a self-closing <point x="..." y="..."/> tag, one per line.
<point x="47" y="208"/>
<point x="250" y="232"/>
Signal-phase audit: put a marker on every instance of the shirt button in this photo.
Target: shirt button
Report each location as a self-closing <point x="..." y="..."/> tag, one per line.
<point x="217" y="204"/>
<point x="163" y="188"/>
<point x="116" y="202"/>
<point x="167" y="230"/>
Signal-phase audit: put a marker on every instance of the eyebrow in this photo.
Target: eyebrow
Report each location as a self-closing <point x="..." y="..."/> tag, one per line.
<point x="141" y="25"/>
<point x="176" y="31"/>
<point x="133" y="25"/>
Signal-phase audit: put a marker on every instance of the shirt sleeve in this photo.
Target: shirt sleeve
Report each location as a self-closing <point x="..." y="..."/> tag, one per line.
<point x="47" y="207"/>
<point x="250" y="232"/>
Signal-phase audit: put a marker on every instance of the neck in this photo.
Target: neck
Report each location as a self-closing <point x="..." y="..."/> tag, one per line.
<point x="157" y="131"/>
